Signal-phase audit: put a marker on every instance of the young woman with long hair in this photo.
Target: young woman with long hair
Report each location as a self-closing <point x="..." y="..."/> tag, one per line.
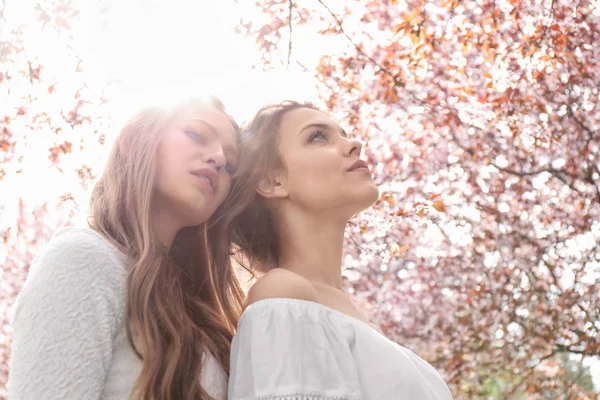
<point x="143" y="302"/>
<point x="300" y="180"/>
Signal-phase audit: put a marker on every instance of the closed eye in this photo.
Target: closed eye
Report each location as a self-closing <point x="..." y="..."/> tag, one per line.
<point x="195" y="136"/>
<point x="318" y="135"/>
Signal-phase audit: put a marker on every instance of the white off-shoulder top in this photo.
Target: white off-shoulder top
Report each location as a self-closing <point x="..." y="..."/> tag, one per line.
<point x="288" y="349"/>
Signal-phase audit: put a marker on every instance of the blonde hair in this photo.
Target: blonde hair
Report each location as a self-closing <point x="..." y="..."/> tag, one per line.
<point x="182" y="301"/>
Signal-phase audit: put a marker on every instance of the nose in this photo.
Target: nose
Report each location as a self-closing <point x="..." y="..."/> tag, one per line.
<point x="216" y="159"/>
<point x="353" y="147"/>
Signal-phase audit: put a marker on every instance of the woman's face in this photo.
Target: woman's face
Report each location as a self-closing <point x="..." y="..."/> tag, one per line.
<point x="322" y="167"/>
<point x="195" y="158"/>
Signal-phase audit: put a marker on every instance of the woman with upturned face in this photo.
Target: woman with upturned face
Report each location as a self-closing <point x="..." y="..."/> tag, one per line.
<point x="300" y="179"/>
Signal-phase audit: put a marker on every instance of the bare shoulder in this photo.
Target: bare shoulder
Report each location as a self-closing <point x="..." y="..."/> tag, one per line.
<point x="281" y="283"/>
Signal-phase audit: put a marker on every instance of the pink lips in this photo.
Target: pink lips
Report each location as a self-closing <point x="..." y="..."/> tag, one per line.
<point x="210" y="175"/>
<point x="359" y="165"/>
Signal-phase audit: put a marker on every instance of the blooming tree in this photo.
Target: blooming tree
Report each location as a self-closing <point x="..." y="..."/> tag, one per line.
<point x="51" y="127"/>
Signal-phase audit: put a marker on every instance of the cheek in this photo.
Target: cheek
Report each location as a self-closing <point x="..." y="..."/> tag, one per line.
<point x="162" y="165"/>
<point x="172" y="157"/>
<point x="315" y="172"/>
<point x="164" y="173"/>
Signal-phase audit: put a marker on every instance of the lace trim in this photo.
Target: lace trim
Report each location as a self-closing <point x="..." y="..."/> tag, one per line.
<point x="298" y="396"/>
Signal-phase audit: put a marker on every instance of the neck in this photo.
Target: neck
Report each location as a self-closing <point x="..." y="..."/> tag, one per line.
<point x="311" y="246"/>
<point x="164" y="224"/>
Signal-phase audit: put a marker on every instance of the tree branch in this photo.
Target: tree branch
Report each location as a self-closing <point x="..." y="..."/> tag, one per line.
<point x="358" y="48"/>
<point x="528" y="375"/>
<point x="291" y="5"/>
<point x="2" y="7"/>
<point x="556" y="173"/>
<point x="580" y="374"/>
<point x="591" y="136"/>
<point x="386" y="71"/>
<point x="589" y="178"/>
<point x="314" y="76"/>
<point x="525" y="173"/>
<point x="587" y="314"/>
<point x="569" y="349"/>
<point x="545" y="29"/>
<point x="552" y="274"/>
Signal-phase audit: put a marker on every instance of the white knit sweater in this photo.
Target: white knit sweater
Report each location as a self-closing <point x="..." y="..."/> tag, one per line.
<point x="69" y="338"/>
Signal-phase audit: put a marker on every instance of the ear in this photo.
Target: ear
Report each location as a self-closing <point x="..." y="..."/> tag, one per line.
<point x="273" y="186"/>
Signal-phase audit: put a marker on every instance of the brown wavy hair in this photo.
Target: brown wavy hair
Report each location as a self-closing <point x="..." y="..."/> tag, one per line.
<point x="182" y="301"/>
<point x="253" y="231"/>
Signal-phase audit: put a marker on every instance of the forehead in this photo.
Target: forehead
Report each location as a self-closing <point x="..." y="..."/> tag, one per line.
<point x="212" y="116"/>
<point x="295" y="120"/>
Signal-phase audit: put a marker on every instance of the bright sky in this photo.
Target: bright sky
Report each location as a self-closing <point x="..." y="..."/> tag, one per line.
<point x="150" y="52"/>
<point x="186" y="47"/>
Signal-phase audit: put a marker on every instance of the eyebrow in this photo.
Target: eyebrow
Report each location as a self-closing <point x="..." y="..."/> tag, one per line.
<point x="213" y="132"/>
<point x="323" y="126"/>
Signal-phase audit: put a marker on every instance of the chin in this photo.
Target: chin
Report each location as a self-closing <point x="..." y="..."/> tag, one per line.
<point x="198" y="215"/>
<point x="370" y="196"/>
<point x="364" y="199"/>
